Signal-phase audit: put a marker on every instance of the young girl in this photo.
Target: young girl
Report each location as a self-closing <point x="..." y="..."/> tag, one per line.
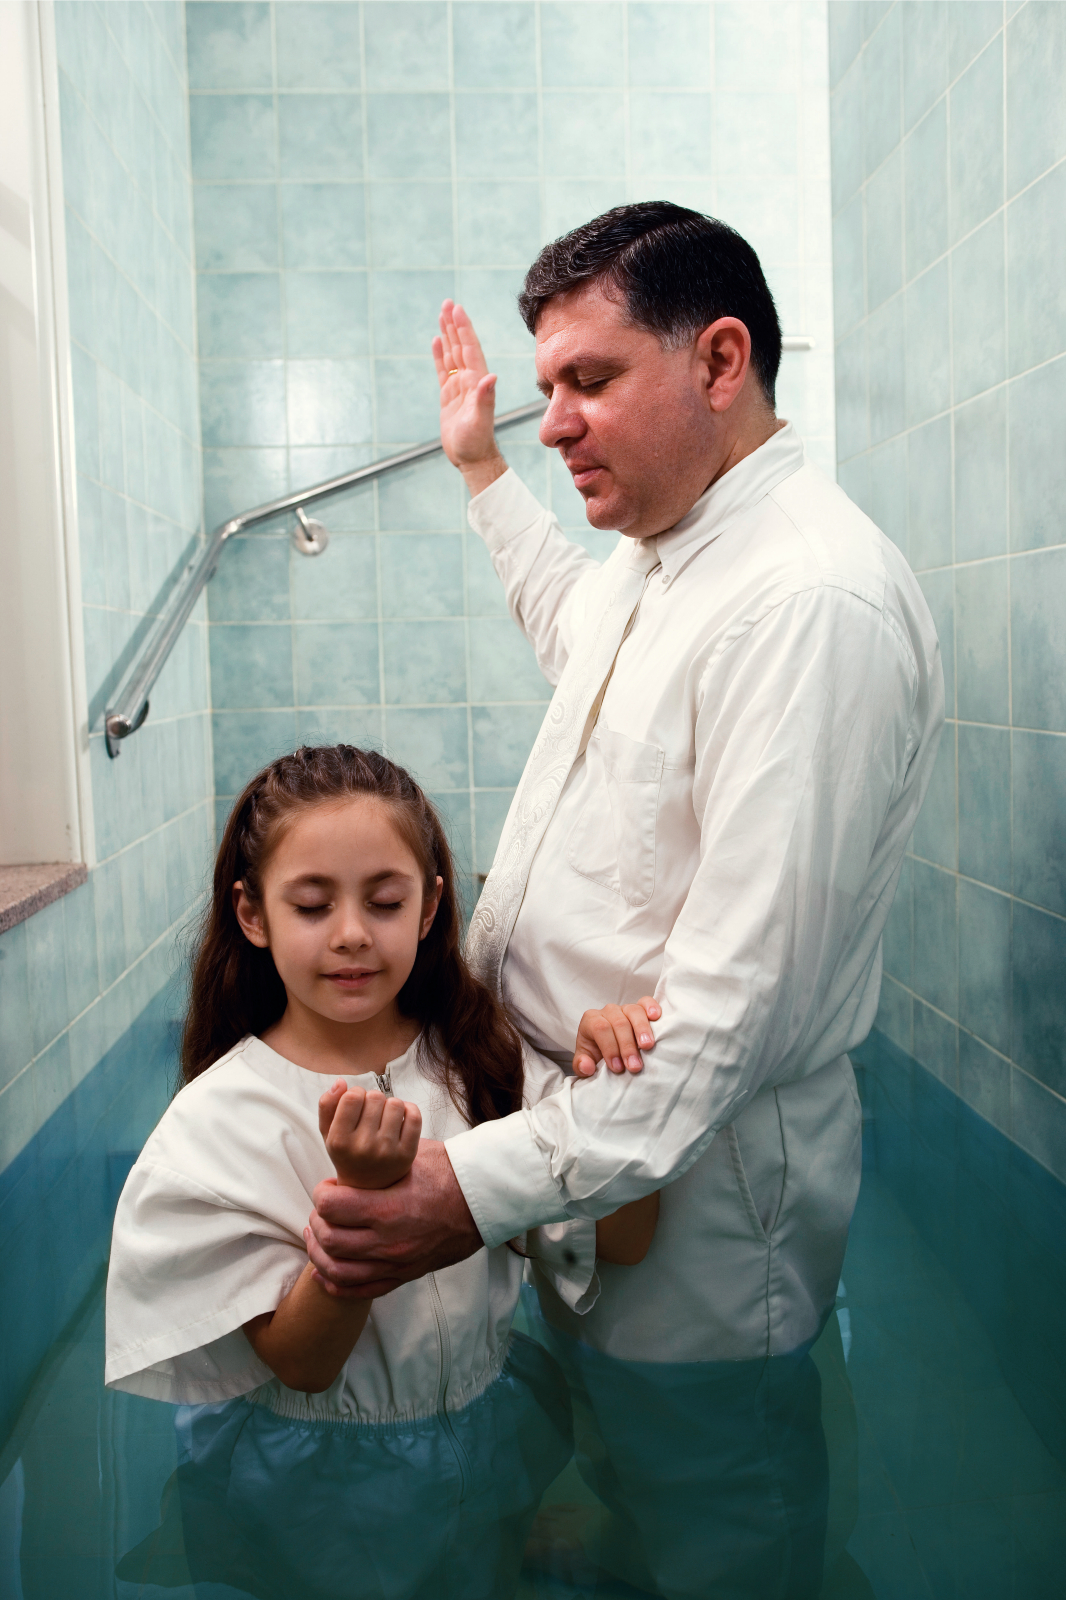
<point x="334" y="1447"/>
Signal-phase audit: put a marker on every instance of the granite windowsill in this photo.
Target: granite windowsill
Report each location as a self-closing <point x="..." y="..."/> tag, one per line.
<point x="26" y="889"/>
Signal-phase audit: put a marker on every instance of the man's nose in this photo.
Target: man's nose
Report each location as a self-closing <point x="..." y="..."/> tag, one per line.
<point x="561" y="421"/>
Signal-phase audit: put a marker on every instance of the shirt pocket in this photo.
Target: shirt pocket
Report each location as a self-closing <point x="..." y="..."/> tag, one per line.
<point x="612" y="843"/>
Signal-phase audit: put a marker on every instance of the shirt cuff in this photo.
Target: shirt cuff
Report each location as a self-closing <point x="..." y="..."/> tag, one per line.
<point x="505" y="1178"/>
<point x="504" y="511"/>
<point x="565" y="1253"/>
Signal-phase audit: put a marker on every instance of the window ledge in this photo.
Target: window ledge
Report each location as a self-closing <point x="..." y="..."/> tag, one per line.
<point x="26" y="889"/>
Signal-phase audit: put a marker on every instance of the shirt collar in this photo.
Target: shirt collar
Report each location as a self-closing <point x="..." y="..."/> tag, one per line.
<point x="735" y="492"/>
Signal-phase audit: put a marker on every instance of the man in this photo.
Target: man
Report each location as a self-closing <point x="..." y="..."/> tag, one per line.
<point x="748" y="706"/>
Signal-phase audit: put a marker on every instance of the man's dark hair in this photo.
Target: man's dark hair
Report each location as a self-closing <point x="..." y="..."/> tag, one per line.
<point x="676" y="271"/>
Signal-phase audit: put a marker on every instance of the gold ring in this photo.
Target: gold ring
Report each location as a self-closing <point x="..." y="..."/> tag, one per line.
<point x="452" y="371"/>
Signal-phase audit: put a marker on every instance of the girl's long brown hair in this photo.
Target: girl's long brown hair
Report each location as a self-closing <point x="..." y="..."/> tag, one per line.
<point x="468" y="1039"/>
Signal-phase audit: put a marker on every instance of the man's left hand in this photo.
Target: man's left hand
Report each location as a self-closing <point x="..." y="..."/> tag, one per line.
<point x="365" y="1242"/>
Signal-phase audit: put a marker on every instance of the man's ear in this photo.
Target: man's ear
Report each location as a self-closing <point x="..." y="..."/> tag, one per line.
<point x="724" y="351"/>
<point x="250" y="917"/>
<point x="429" y="910"/>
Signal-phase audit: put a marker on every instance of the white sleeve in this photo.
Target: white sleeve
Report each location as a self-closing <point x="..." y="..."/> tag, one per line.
<point x="806" y="738"/>
<point x="565" y="1250"/>
<point x="540" y="569"/>
<point x="208" y="1233"/>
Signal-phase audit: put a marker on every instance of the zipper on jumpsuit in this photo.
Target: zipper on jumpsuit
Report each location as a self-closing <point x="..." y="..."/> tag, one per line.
<point x="444" y="1349"/>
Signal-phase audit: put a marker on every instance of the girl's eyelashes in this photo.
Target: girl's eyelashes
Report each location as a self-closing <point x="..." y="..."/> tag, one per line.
<point x="311" y="911"/>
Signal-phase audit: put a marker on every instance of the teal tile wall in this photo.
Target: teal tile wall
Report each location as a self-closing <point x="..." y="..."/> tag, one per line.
<point x="75" y="976"/>
<point x="949" y="231"/>
<point x="352" y="166"/>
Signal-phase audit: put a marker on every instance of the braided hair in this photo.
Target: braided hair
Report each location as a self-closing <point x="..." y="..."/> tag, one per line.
<point x="468" y="1041"/>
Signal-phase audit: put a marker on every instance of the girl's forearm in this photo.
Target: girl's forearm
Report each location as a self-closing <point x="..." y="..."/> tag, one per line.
<point x="310" y="1336"/>
<point x="624" y="1238"/>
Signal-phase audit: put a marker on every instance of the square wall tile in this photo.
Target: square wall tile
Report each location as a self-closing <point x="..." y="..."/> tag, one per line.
<point x="581" y="46"/>
<point x="426" y="497"/>
<point x="425" y="662"/>
<point x="985" y="1082"/>
<point x="236" y="480"/>
<point x="755" y="135"/>
<point x="408" y="400"/>
<point x="340" y="584"/>
<point x="1038" y="1043"/>
<point x="251" y="583"/>
<point x="849" y="304"/>
<point x="1038" y="640"/>
<point x="925" y="163"/>
<point x="353" y="725"/>
<point x="978" y="311"/>
<point x="329" y="402"/>
<point x="422" y="575"/>
<point x="970" y="27"/>
<point x="496" y="135"/>
<point x="495" y="46"/>
<point x="936" y="1044"/>
<point x="233" y="135"/>
<point x="251" y="665"/>
<point x="925" y="57"/>
<point x="408" y="136"/>
<point x="1036" y="294"/>
<point x="499" y="222"/>
<point x="895" y="1014"/>
<point x="432" y="744"/>
<point x="336" y="663"/>
<point x="412" y="224"/>
<point x="245" y="741"/>
<point x="882" y="110"/>
<point x="887" y="378"/>
<point x="592" y="121"/>
<point x="406" y="46"/>
<point x="502" y="664"/>
<point x="1037" y="485"/>
<point x="928" y="344"/>
<point x="1036" y="108"/>
<point x="1039" y="779"/>
<point x="323" y="226"/>
<point x="976" y="154"/>
<point x="929" y="495"/>
<point x="321" y="136"/>
<point x="490" y="812"/>
<point x="318" y="45"/>
<point x="888" y="490"/>
<point x="985" y="964"/>
<point x="326" y="314"/>
<point x="236" y="226"/>
<point x="1038" y="1122"/>
<point x="406" y="306"/>
<point x="846" y="137"/>
<point x="670" y="44"/>
<point x="939" y="591"/>
<point x="982" y="655"/>
<point x="503" y="738"/>
<point x="239" y="314"/>
<point x="981" y="477"/>
<point x="985" y="805"/>
<point x="884" y="231"/>
<point x="229" y="46"/>
<point x="242" y="402"/>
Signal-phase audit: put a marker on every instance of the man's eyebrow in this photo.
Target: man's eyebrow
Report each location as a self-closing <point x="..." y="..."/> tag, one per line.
<point x="598" y="363"/>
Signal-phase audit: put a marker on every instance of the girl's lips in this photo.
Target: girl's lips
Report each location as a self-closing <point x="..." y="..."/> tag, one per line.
<point x="350" y="980"/>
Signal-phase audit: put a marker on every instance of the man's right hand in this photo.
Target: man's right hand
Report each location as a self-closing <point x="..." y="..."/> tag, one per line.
<point x="467" y="400"/>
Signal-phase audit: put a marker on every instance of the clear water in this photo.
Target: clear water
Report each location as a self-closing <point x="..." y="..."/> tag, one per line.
<point x="942" y="1401"/>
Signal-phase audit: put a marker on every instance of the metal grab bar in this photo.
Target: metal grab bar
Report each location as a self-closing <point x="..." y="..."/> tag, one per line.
<point x="130" y="706"/>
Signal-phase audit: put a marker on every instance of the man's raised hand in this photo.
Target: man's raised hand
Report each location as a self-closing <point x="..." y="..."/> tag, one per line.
<point x="616" y="1035"/>
<point x="467" y="400"/>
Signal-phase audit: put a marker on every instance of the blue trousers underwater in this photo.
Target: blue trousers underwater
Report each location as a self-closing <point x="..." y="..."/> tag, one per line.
<point x="709" y="1480"/>
<point x="437" y="1509"/>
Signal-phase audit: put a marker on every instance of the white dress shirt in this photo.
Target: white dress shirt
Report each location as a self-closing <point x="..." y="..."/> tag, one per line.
<point x="730" y="839"/>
